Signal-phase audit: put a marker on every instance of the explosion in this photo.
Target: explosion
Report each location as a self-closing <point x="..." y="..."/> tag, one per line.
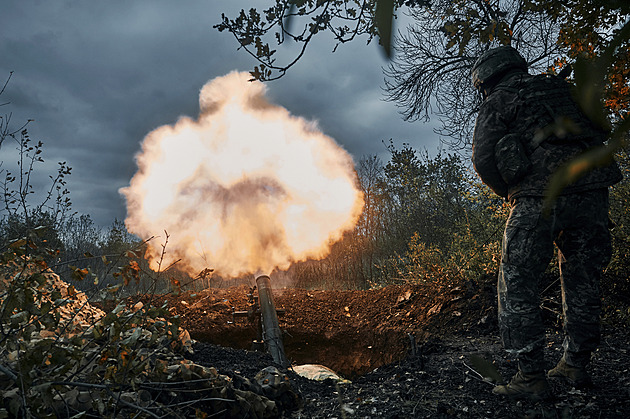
<point x="245" y="188"/>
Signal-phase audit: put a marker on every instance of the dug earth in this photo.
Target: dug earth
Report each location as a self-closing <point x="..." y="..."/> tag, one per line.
<point x="408" y="350"/>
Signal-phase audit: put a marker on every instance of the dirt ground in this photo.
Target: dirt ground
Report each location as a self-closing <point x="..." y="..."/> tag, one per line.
<point x="404" y="350"/>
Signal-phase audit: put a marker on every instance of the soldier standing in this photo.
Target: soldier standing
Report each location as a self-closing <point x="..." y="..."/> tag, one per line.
<point x="515" y="154"/>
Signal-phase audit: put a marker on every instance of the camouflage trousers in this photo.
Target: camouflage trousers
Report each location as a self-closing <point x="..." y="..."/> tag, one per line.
<point x="578" y="225"/>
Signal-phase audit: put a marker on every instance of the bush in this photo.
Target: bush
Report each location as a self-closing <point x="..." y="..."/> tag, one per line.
<point x="61" y="356"/>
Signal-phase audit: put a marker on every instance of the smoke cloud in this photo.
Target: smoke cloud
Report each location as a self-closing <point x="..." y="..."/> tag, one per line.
<point x="245" y="188"/>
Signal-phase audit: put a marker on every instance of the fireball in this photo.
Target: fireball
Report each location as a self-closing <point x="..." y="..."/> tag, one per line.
<point x="246" y="187"/>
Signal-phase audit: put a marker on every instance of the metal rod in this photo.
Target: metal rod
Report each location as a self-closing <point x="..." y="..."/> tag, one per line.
<point x="271" y="330"/>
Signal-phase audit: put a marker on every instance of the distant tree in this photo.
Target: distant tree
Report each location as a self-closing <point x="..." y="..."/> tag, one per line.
<point x="427" y="194"/>
<point x="423" y="216"/>
<point x="117" y="239"/>
<point x="22" y="210"/>
<point x="81" y="235"/>
<point x="14" y="227"/>
<point x="372" y="228"/>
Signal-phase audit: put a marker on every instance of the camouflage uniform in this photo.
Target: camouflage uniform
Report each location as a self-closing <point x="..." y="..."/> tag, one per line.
<point x="517" y="109"/>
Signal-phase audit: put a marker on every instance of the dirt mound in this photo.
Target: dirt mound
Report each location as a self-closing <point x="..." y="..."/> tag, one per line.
<point x="351" y="332"/>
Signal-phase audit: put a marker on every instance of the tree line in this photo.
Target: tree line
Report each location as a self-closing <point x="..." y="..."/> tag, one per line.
<point x="425" y="218"/>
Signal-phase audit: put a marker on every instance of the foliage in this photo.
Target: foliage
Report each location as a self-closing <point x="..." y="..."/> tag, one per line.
<point x="19" y="214"/>
<point x="430" y="71"/>
<point x="300" y="20"/>
<point x="60" y="356"/>
<point x="461" y="238"/>
<point x="591" y="75"/>
<point x="588" y="32"/>
<point x="54" y="362"/>
<point x="25" y="213"/>
<point x="424" y="218"/>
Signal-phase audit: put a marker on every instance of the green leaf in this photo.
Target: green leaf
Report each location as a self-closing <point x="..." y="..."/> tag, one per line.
<point x="45" y="308"/>
<point x="79" y="274"/>
<point x="383" y="19"/>
<point x="589" y="89"/>
<point x="77" y="341"/>
<point x="19" y="318"/>
<point x="120" y="307"/>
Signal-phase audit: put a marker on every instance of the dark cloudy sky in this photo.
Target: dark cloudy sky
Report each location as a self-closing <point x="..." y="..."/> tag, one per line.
<point x="97" y="76"/>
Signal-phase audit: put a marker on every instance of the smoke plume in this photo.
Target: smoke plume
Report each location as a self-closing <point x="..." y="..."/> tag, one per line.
<point x="247" y="187"/>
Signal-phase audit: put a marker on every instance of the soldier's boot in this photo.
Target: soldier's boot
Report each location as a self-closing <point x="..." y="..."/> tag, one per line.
<point x="578" y="377"/>
<point x="532" y="386"/>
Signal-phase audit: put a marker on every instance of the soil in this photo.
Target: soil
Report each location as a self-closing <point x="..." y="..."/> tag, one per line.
<point x="403" y="350"/>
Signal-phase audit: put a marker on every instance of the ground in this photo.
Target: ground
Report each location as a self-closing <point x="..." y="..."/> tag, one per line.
<point x="404" y="350"/>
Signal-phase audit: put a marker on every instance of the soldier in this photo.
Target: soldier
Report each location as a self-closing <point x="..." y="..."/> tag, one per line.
<point x="515" y="152"/>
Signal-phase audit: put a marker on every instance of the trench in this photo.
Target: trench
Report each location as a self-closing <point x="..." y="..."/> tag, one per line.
<point x="350" y="353"/>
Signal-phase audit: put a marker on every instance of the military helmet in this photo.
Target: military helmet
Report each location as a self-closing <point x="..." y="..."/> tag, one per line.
<point x="495" y="62"/>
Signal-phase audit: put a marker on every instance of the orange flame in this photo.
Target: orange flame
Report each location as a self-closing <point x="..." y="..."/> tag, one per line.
<point x="246" y="187"/>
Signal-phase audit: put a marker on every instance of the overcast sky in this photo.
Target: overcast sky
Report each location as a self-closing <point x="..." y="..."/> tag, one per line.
<point x="97" y="76"/>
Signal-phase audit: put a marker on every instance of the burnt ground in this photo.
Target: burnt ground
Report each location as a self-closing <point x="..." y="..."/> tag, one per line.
<point x="366" y="337"/>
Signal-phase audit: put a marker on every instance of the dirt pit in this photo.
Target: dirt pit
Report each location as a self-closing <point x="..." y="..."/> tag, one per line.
<point x="364" y="336"/>
<point x="351" y="332"/>
<point x="348" y="353"/>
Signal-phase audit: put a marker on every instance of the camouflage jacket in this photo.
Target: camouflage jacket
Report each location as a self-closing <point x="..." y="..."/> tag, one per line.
<point x="526" y="105"/>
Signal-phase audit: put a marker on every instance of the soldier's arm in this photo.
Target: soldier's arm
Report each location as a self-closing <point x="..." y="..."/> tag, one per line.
<point x="489" y="129"/>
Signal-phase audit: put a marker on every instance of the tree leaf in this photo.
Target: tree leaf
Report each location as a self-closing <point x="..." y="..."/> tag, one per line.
<point x="574" y="169"/>
<point x="383" y="20"/>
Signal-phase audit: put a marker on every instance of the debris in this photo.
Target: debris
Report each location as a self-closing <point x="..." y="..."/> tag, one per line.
<point x="435" y="309"/>
<point x="316" y="372"/>
<point x="403" y="297"/>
